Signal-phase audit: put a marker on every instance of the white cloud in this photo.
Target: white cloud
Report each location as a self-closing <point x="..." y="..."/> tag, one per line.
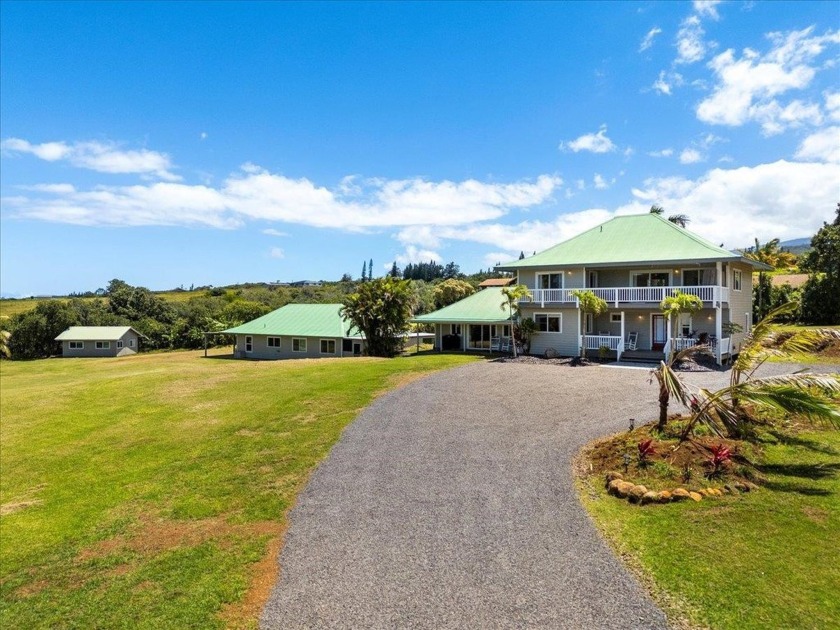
<point x="691" y="47"/>
<point x="823" y="145"/>
<point x="273" y="232"/>
<point x="104" y="157"/>
<point x="600" y="183"/>
<point x="832" y="106"/>
<point x="413" y="254"/>
<point x="778" y="200"/>
<point x="662" y="153"/>
<point x="747" y="88"/>
<point x="690" y="156"/>
<point x="261" y="195"/>
<point x="707" y="8"/>
<point x="276" y="252"/>
<point x="581" y="184"/>
<point x="597" y="142"/>
<point x="57" y="189"/>
<point x="647" y="42"/>
<point x="202" y="135"/>
<point x="491" y="259"/>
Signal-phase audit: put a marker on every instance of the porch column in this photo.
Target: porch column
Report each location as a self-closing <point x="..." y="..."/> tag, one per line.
<point x="719" y="334"/>
<point x="718" y="276"/>
<point x="621" y="342"/>
<point x="465" y="330"/>
<point x="580" y="332"/>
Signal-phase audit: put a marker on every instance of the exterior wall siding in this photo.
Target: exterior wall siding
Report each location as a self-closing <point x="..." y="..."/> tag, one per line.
<point x="261" y="349"/>
<point x="740" y="302"/>
<point x="565" y="342"/>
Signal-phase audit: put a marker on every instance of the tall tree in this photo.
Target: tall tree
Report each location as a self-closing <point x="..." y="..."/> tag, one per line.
<point x="380" y="310"/>
<point x="821" y="294"/>
<point x="395" y="271"/>
<point x="590" y="303"/>
<point x="512" y="296"/>
<point x="364" y="271"/>
<point x="370" y="269"/>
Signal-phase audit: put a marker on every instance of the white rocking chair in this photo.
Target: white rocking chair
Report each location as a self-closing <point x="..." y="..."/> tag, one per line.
<point x="632" y="338"/>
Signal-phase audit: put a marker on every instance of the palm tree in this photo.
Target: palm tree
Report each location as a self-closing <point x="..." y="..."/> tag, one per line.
<point x="588" y="302"/>
<point x="677" y="304"/>
<point x="657" y="209"/>
<point x="678" y="219"/>
<point x="512" y="296"/>
<point x="670" y="384"/>
<point x="801" y="392"/>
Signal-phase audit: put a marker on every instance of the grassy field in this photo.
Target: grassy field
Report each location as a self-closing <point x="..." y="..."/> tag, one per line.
<point x="151" y="491"/>
<point x="13" y="307"/>
<point x="768" y="559"/>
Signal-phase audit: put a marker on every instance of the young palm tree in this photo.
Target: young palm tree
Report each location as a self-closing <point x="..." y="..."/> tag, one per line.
<point x="588" y="302"/>
<point x="512" y="296"/>
<point x="678" y="304"/>
<point x="670" y="383"/>
<point x="804" y="393"/>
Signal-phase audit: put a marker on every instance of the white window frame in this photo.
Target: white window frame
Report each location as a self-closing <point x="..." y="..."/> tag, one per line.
<point x="301" y="344"/>
<point x="588" y="324"/>
<point x="328" y="341"/>
<point x="560" y="274"/>
<point x="455" y="329"/>
<point x="615" y="318"/>
<point x="505" y="332"/>
<point x="547" y="316"/>
<point x="694" y="270"/>
<point x="119" y="343"/>
<point x="648" y="272"/>
<point x="131" y="342"/>
<point x="737" y="279"/>
<point x="103" y="345"/>
<point x="249" y="343"/>
<point x="685" y="320"/>
<point x="273" y="342"/>
<point x="592" y="279"/>
<point x="76" y="345"/>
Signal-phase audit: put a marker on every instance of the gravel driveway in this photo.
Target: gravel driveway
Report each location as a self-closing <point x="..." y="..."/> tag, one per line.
<point x="449" y="503"/>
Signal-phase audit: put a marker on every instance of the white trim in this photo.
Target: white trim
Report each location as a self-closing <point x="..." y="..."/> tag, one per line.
<point x="102" y="345"/>
<point x="680" y="320"/>
<point x="299" y="339"/>
<point x="119" y="343"/>
<point x="616" y="318"/>
<point x="249" y="343"/>
<point x="321" y="348"/>
<point x="131" y="342"/>
<point x="665" y="320"/>
<point x="589" y="324"/>
<point x="737" y="280"/>
<point x="559" y="317"/>
<point x="76" y="345"/>
<point x="276" y="345"/>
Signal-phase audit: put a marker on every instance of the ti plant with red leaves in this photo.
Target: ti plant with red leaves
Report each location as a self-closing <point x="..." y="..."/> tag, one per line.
<point x="721" y="456"/>
<point x="646" y="451"/>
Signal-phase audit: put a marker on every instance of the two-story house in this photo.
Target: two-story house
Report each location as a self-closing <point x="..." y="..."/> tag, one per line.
<point x="632" y="262"/>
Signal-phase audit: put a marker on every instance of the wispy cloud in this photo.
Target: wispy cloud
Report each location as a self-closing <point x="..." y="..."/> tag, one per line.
<point x="596" y="142"/>
<point x="691" y="156"/>
<point x="273" y="232"/>
<point x="691" y="47"/>
<point x="662" y="153"/>
<point x="104" y="157"/>
<point x="707" y="8"/>
<point x="276" y="252"/>
<point x="647" y="41"/>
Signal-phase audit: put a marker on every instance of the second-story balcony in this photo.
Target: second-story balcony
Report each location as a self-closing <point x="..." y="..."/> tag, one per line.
<point x="618" y="296"/>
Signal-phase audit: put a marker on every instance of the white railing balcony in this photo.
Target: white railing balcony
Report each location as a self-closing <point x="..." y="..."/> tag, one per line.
<point x="629" y="295"/>
<point x="681" y="343"/>
<point x="596" y="342"/>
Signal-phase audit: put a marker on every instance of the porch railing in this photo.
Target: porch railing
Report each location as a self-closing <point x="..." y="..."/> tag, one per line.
<point x="629" y="295"/>
<point x="679" y="344"/>
<point x="595" y="342"/>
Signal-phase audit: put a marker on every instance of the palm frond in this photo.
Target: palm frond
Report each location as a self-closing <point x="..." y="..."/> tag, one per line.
<point x="793" y="399"/>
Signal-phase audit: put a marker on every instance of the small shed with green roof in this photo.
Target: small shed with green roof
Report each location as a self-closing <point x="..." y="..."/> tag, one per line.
<point x="478" y="322"/>
<point x="298" y="331"/>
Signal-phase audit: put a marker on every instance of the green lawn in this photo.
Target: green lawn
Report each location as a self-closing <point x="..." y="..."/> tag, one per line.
<point x="768" y="559"/>
<point x="151" y="491"/>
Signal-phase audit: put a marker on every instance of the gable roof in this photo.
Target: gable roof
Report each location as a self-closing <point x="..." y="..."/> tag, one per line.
<point x="304" y="320"/>
<point x="636" y="238"/>
<point x="95" y="333"/>
<point x="482" y="307"/>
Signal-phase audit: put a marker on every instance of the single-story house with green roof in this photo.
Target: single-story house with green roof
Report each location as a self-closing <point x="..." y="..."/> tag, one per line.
<point x="478" y="322"/>
<point x="632" y="262"/>
<point x="298" y="331"/>
<point x="99" y="341"/>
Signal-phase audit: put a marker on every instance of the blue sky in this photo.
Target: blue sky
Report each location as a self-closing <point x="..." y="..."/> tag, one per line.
<point x="174" y="144"/>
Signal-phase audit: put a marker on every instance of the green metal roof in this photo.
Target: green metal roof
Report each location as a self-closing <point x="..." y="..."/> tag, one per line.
<point x="638" y="238"/>
<point x="303" y="320"/>
<point x="484" y="306"/>
<point x="94" y="333"/>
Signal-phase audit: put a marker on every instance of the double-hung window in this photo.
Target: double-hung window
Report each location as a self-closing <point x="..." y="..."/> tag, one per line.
<point x="327" y="346"/>
<point x="249" y="344"/>
<point x="77" y="345"/>
<point x="119" y="343"/>
<point x="274" y="342"/>
<point x="549" y="323"/>
<point x="298" y="345"/>
<point x="103" y="345"/>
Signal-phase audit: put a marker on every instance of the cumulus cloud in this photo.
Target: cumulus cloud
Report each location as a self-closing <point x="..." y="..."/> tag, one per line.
<point x="832" y="106"/>
<point x="597" y="142"/>
<point x="257" y="194"/>
<point x="747" y="87"/>
<point x="690" y="156"/>
<point x="104" y="157"/>
<point x="276" y="252"/>
<point x="600" y="183"/>
<point x="823" y="145"/>
<point x="413" y="254"/>
<point x="647" y="41"/>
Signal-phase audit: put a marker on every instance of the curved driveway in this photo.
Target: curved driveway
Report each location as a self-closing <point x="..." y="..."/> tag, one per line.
<point x="449" y="503"/>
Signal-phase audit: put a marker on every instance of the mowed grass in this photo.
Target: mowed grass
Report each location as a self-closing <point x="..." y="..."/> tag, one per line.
<point x="767" y="559"/>
<point x="151" y="491"/>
